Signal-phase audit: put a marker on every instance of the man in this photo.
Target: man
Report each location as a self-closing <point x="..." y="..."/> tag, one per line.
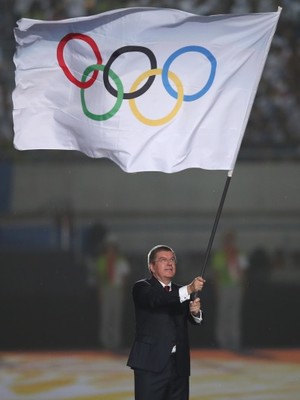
<point x="112" y="271"/>
<point x="229" y="265"/>
<point x="160" y="352"/>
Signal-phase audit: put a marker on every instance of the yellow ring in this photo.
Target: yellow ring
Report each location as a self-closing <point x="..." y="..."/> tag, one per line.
<point x="168" y="117"/>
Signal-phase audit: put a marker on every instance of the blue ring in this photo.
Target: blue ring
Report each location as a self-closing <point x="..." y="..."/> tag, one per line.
<point x="209" y="82"/>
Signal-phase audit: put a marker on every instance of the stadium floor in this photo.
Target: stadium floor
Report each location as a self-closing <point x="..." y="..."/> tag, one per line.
<point x="95" y="375"/>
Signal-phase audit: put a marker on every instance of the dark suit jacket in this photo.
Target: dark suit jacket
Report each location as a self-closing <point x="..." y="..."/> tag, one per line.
<point x="161" y="322"/>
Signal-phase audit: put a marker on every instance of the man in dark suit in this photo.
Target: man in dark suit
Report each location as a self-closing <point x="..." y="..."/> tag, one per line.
<point x="160" y="355"/>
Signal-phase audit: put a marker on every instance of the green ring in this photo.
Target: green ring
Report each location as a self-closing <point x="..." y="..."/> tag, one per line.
<point x="120" y="93"/>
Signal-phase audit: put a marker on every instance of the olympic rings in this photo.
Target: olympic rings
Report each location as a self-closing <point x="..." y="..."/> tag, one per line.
<point x="116" y="107"/>
<point x="169" y="116"/>
<point x="116" y="54"/>
<point x="135" y="91"/>
<point x="209" y="82"/>
<point x="62" y="64"/>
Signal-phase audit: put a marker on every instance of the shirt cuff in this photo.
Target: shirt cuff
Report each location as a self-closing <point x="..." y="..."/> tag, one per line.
<point x="183" y="294"/>
<point x="199" y="318"/>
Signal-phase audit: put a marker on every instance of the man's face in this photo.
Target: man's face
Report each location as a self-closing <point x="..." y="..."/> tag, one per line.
<point x="164" y="266"/>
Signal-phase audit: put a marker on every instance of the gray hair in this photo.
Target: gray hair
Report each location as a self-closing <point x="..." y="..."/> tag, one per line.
<point x="160" y="247"/>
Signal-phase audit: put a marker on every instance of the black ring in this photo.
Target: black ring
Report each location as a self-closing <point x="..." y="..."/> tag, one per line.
<point x="114" y="56"/>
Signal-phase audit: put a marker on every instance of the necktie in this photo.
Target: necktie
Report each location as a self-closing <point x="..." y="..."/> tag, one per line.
<point x="167" y="288"/>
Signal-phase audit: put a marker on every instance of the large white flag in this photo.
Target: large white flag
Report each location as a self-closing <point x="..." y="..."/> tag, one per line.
<point x="151" y="89"/>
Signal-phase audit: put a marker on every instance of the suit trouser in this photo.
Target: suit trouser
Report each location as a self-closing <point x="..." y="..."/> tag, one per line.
<point x="164" y="385"/>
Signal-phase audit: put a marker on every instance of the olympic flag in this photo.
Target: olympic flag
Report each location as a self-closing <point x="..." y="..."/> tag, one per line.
<point x="152" y="89"/>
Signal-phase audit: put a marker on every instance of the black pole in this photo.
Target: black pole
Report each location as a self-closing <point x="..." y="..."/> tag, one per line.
<point x="214" y="229"/>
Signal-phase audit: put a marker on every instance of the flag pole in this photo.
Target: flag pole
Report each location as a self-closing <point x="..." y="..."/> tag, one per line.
<point x="214" y="229"/>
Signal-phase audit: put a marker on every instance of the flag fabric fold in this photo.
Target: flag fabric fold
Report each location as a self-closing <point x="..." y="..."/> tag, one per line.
<point x="152" y="89"/>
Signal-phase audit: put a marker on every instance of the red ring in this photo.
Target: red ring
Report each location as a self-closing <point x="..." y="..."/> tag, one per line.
<point x="63" y="65"/>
